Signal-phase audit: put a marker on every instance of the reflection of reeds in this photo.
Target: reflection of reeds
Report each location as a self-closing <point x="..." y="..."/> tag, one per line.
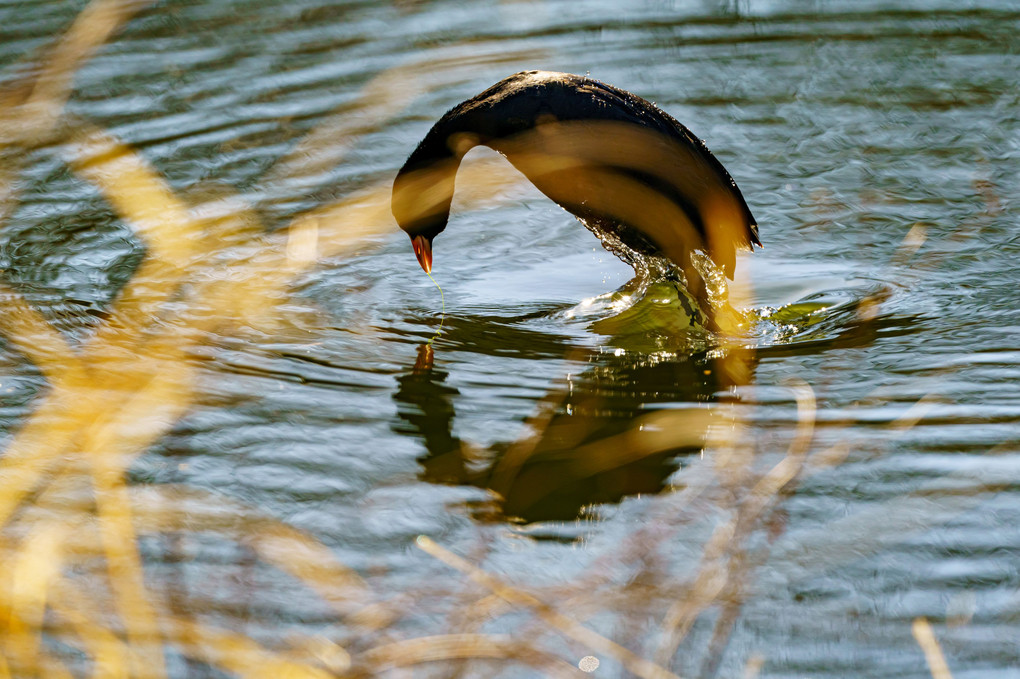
<point x="64" y="502"/>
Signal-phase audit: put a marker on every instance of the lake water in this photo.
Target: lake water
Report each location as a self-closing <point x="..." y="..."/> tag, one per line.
<point x="878" y="145"/>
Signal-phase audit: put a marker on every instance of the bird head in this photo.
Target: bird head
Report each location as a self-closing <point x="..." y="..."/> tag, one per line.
<point x="421" y="205"/>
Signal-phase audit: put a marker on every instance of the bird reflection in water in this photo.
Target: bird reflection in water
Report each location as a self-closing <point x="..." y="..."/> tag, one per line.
<point x="621" y="427"/>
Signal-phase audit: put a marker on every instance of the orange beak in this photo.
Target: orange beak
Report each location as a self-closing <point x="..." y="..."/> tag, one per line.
<point x="423" y="251"/>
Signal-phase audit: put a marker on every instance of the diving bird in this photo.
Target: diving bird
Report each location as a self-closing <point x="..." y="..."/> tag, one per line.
<point x="637" y="178"/>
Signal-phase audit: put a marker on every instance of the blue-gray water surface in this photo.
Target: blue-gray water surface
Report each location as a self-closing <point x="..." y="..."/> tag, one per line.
<point x="877" y="144"/>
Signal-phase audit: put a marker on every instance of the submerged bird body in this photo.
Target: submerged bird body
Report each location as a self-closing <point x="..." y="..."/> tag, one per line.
<point x="627" y="170"/>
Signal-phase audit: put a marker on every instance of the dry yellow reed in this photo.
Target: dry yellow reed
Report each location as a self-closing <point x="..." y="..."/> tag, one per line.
<point x="34" y="567"/>
<point x="562" y="623"/>
<point x="461" y="647"/>
<point x="147" y="379"/>
<point x="932" y="651"/>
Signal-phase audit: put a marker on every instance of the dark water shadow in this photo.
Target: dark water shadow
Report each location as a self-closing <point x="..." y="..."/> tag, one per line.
<point x="595" y="439"/>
